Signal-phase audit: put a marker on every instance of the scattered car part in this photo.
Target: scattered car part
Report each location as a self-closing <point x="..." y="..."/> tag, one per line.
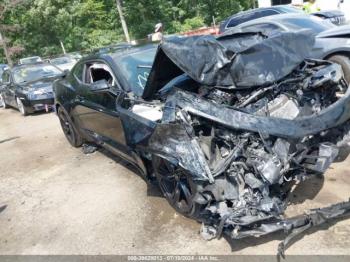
<point x="89" y="149"/>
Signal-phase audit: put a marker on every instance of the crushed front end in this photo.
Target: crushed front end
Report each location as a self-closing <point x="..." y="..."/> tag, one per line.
<point x="245" y="146"/>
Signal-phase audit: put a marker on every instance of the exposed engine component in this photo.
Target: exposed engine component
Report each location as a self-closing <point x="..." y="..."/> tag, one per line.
<point x="253" y="170"/>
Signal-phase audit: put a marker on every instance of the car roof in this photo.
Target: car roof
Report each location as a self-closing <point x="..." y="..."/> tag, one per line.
<point x="119" y="51"/>
<point x="29" y="65"/>
<point x="59" y="57"/>
<point x="275" y="18"/>
<point x="31" y="57"/>
<point x="280" y="8"/>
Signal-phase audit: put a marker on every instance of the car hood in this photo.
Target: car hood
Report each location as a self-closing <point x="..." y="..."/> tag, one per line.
<point x="238" y="60"/>
<point x="338" y="31"/>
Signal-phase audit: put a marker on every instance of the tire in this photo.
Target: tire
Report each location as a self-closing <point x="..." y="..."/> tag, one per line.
<point x="2" y="102"/>
<point x="177" y="187"/>
<point x="69" y="129"/>
<point x="344" y="61"/>
<point x="21" y="107"/>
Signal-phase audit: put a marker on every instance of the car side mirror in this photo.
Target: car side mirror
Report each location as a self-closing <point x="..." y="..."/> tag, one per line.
<point x="65" y="72"/>
<point x="99" y="86"/>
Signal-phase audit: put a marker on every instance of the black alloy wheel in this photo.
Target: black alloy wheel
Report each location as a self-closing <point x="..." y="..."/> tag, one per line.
<point x="177" y="187"/>
<point x="68" y="129"/>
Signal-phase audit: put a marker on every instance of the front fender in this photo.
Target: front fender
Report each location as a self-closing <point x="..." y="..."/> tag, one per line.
<point x="172" y="142"/>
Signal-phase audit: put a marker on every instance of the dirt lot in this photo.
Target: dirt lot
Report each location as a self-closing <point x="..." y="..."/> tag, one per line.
<point x="60" y="201"/>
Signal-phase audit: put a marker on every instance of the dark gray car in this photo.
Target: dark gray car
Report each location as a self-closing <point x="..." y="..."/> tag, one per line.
<point x="332" y="42"/>
<point x="334" y="16"/>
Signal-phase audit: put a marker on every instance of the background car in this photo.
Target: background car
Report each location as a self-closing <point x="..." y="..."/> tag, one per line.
<point x="2" y="68"/>
<point x="30" y="60"/>
<point x="331" y="42"/>
<point x="336" y="17"/>
<point x="75" y="55"/>
<point x="63" y="62"/>
<point x="29" y="87"/>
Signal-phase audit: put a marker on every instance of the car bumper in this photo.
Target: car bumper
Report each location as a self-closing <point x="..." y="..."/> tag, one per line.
<point x="47" y="101"/>
<point x="39" y="104"/>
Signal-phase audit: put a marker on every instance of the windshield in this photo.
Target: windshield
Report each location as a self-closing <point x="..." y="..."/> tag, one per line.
<point x="33" y="73"/>
<point x="61" y="61"/>
<point x="136" y="68"/>
<point x="316" y="24"/>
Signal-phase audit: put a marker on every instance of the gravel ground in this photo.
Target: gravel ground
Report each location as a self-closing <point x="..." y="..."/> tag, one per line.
<point x="60" y="201"/>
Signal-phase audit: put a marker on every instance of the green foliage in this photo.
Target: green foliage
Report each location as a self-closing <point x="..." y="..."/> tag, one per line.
<point x="87" y="24"/>
<point x="188" y="24"/>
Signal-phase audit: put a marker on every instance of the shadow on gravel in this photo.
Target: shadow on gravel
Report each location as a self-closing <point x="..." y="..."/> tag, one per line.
<point x="9" y="139"/>
<point x="2" y="208"/>
<point x="307" y="190"/>
<point x="152" y="187"/>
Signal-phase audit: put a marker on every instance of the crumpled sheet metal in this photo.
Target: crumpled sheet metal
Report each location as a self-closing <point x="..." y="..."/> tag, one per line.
<point x="333" y="116"/>
<point x="294" y="226"/>
<point x="242" y="60"/>
<point x="172" y="142"/>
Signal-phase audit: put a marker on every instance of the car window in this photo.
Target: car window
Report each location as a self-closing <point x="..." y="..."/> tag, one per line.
<point x="78" y="72"/>
<point x="250" y="16"/>
<point x="266" y="29"/>
<point x="267" y="13"/>
<point x="98" y="71"/>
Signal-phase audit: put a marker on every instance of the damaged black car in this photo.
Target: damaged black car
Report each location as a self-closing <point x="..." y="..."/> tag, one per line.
<point x="224" y="125"/>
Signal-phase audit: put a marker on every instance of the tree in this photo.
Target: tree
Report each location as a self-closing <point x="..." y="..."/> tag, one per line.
<point x="83" y="25"/>
<point x="122" y="19"/>
<point x="9" y="51"/>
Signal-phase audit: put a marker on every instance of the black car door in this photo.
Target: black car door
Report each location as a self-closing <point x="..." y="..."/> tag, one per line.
<point x="96" y="110"/>
<point x="8" y="89"/>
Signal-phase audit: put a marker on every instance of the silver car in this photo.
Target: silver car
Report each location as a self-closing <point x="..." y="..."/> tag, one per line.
<point x="331" y="42"/>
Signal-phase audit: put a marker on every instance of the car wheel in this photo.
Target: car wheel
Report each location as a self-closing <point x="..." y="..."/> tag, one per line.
<point x="21" y="107"/>
<point x="68" y="129"/>
<point x="177" y="187"/>
<point x="2" y="102"/>
<point x="344" y="61"/>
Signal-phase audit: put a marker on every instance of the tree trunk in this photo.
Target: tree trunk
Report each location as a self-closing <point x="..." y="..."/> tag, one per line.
<point x="6" y="51"/>
<point x="125" y="28"/>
